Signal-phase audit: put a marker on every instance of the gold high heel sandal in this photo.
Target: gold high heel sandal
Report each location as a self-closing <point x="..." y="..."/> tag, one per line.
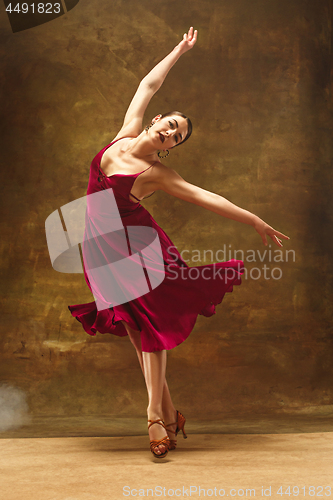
<point x="156" y="442"/>
<point x="180" y="427"/>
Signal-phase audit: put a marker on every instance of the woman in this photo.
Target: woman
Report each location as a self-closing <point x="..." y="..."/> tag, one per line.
<point x="164" y="317"/>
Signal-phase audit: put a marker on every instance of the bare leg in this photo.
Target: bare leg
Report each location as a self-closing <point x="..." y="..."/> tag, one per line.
<point x="169" y="411"/>
<point x="160" y="405"/>
<point x="154" y="364"/>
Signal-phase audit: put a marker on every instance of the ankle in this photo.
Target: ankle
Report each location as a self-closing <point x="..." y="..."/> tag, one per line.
<point x="154" y="413"/>
<point x="170" y="415"/>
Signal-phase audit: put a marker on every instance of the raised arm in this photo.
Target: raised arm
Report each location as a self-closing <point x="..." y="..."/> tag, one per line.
<point x="171" y="182"/>
<point x="150" y="84"/>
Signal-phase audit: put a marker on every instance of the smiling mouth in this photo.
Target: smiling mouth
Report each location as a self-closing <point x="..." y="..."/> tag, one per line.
<point x="162" y="137"/>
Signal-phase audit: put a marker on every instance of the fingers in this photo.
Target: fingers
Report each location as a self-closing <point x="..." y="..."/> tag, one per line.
<point x="264" y="239"/>
<point x="191" y="36"/>
<point x="277" y="241"/>
<point x="282" y="235"/>
<point x="188" y="36"/>
<point x="265" y="230"/>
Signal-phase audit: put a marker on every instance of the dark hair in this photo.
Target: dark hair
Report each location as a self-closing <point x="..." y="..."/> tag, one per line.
<point x="189" y="124"/>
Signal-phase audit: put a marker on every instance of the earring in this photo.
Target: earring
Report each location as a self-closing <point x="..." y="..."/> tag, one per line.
<point x="163" y="156"/>
<point x="148" y="127"/>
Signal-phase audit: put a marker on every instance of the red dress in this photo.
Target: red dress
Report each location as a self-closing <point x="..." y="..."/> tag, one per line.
<point x="165" y="313"/>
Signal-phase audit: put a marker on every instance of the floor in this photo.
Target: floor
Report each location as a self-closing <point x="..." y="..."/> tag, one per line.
<point x="279" y="466"/>
<point x="280" y="456"/>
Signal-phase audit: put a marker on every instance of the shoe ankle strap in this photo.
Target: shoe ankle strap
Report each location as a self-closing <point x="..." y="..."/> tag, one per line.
<point x="159" y="421"/>
<point x="169" y="430"/>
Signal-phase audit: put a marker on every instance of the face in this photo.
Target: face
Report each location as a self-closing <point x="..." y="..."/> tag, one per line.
<point x="169" y="131"/>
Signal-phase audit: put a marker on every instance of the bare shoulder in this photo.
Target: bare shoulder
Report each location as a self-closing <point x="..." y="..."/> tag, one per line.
<point x="163" y="176"/>
<point x="168" y="180"/>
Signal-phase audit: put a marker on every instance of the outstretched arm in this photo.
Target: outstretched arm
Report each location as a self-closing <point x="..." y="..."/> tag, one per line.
<point x="171" y="182"/>
<point x="151" y="83"/>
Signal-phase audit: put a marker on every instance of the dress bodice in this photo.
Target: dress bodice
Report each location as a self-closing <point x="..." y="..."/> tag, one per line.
<point x="121" y="184"/>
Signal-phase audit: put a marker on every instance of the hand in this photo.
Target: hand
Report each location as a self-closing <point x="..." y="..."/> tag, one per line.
<point x="265" y="230"/>
<point x="188" y="40"/>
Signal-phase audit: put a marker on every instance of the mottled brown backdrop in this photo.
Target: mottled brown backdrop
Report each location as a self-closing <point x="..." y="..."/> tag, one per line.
<point x="258" y="89"/>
